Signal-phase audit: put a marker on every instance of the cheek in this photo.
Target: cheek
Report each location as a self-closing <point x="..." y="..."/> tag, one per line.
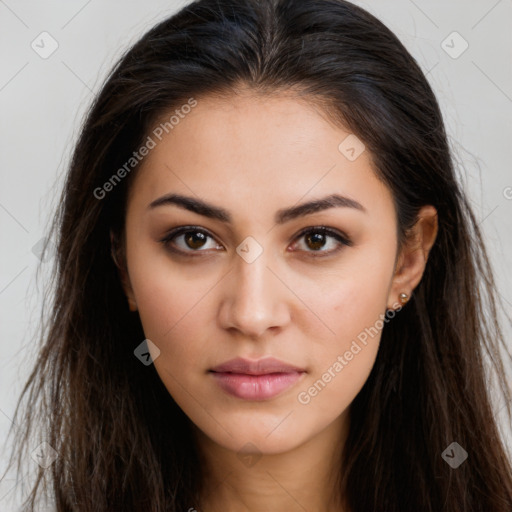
<point x="175" y="306"/>
<point x="353" y="306"/>
<point x="352" y="298"/>
<point x="167" y="293"/>
<point x="172" y="312"/>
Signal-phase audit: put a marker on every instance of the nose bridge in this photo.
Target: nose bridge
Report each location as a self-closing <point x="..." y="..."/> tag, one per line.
<point x="255" y="301"/>
<point x="252" y="275"/>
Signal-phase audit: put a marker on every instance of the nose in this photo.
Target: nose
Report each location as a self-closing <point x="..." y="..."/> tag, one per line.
<point x="255" y="299"/>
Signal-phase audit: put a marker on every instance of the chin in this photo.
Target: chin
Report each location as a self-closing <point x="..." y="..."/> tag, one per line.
<point x="261" y="437"/>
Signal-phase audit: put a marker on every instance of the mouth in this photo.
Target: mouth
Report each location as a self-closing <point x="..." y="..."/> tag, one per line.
<point x="256" y="387"/>
<point x="260" y="379"/>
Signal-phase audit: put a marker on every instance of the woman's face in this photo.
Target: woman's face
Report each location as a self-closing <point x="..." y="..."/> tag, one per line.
<point x="245" y="281"/>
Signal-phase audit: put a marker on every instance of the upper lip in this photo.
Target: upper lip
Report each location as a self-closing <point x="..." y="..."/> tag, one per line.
<point x="258" y="367"/>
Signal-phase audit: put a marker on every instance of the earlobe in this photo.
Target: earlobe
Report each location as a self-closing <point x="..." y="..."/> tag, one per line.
<point x="120" y="263"/>
<point x="132" y="305"/>
<point x="414" y="256"/>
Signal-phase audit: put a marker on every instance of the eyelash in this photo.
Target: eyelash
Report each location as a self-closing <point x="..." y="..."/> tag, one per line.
<point x="341" y="238"/>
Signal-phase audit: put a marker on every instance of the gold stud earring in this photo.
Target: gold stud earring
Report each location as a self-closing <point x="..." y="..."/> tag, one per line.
<point x="403" y="297"/>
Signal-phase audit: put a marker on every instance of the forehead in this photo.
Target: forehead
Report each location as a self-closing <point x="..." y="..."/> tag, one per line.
<point x="253" y="153"/>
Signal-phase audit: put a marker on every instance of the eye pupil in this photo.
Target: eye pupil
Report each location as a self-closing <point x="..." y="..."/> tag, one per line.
<point x="194" y="237"/>
<point x="317" y="239"/>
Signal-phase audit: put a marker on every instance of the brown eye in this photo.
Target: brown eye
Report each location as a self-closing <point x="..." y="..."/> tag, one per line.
<point x="194" y="239"/>
<point x="188" y="239"/>
<point x="316" y="239"/>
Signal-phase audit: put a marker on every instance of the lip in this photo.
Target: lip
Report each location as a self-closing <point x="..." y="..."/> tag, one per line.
<point x="256" y="380"/>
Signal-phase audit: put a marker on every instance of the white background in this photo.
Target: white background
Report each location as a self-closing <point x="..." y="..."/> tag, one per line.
<point x="42" y="102"/>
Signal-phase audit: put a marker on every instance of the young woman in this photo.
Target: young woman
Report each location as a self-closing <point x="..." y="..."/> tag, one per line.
<point x="271" y="293"/>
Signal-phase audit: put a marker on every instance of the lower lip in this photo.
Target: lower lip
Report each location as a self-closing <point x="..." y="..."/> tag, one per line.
<point x="256" y="387"/>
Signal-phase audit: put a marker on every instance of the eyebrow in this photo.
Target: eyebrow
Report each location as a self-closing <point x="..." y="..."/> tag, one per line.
<point x="284" y="215"/>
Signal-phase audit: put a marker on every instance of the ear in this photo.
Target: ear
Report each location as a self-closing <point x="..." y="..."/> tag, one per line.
<point x="414" y="255"/>
<point x="120" y="262"/>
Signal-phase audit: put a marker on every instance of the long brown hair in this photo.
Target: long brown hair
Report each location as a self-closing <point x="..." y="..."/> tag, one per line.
<point x="122" y="442"/>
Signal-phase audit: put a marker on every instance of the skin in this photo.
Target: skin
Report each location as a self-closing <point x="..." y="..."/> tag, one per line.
<point x="254" y="156"/>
